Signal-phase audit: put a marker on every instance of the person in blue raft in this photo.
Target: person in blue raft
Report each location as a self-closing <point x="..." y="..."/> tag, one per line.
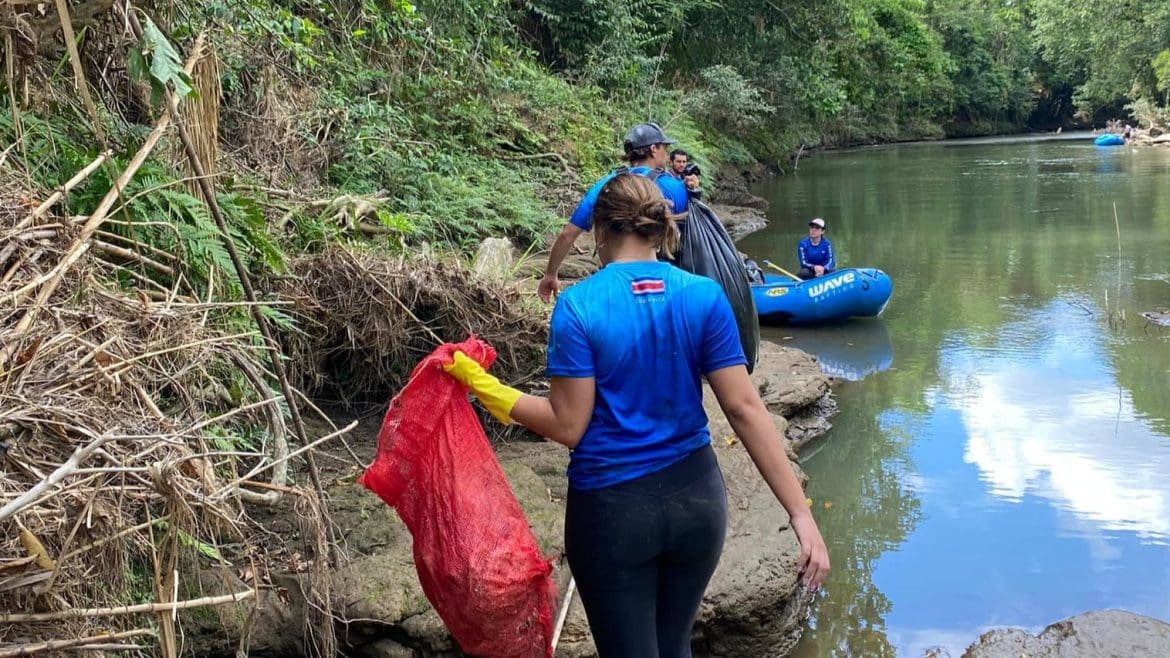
<point x="646" y="151"/>
<point x="646" y="515"/>
<point x="815" y="252"/>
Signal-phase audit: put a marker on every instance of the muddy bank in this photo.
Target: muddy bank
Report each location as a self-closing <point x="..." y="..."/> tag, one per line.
<point x="753" y="607"/>
<point x="1099" y="634"/>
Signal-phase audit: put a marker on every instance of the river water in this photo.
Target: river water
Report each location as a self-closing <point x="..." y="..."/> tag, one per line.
<point x="1002" y="452"/>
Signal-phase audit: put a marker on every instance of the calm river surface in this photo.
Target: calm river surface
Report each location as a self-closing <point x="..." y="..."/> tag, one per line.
<point x="1002" y="452"/>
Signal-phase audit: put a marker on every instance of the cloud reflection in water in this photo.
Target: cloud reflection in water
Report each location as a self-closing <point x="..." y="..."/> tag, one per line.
<point x="1057" y="425"/>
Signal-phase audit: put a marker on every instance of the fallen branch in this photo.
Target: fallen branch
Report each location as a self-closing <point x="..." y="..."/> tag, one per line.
<point x="138" y="246"/>
<point x="84" y="613"/>
<point x="10" y="76"/>
<point x="58" y="645"/>
<point x="70" y="465"/>
<point x="67" y="187"/>
<point x="346" y="210"/>
<point x="278" y="433"/>
<point x="53" y="278"/>
<point x="564" y="612"/>
<point x="122" y="252"/>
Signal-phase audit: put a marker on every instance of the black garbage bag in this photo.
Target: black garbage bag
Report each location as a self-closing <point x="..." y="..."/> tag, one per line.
<point x="707" y="250"/>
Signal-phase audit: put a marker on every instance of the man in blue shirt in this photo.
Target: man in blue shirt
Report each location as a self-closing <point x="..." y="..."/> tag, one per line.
<point x="815" y="252"/>
<point x="645" y="148"/>
<point x="688" y="172"/>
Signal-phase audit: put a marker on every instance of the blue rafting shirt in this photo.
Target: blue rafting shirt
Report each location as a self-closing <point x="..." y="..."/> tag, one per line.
<point x="820" y="254"/>
<point x="646" y="332"/>
<point x="673" y="190"/>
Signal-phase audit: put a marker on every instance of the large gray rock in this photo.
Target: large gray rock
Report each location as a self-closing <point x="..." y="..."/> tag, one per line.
<point x="494" y="258"/>
<point x="740" y="220"/>
<point x="1100" y="634"/>
<point x="788" y="379"/>
<point x="386" y="649"/>
<point x="733" y="189"/>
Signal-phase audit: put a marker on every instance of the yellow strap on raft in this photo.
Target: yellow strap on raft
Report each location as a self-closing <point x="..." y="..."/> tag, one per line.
<point x="781" y="270"/>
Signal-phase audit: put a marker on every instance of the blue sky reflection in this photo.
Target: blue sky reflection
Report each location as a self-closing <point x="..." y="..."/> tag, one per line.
<point x="1057" y="503"/>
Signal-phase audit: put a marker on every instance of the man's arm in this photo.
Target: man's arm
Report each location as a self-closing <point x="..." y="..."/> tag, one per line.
<point x="549" y="284"/>
<point x="801" y="256"/>
<point x="832" y="264"/>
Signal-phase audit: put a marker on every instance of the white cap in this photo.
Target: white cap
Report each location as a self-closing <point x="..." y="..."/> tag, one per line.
<point x="818" y="222"/>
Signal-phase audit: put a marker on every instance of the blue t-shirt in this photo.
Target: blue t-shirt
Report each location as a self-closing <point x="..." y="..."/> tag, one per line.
<point x="673" y="190"/>
<point x="816" y="254"/>
<point x="646" y="332"/>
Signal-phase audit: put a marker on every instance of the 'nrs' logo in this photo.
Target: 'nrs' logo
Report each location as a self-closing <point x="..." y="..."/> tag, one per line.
<point x="831" y="284"/>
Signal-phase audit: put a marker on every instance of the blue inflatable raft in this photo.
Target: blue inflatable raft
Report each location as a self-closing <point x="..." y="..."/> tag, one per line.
<point x="844" y="294"/>
<point x="1109" y="140"/>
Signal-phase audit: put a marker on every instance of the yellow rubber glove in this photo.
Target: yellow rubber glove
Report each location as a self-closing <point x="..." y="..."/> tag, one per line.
<point x="495" y="397"/>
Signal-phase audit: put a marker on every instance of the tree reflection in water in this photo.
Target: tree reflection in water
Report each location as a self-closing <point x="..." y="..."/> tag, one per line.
<point x="872" y="511"/>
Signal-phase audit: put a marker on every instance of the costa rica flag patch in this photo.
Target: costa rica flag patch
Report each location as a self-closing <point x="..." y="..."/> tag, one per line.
<point x="647" y="286"/>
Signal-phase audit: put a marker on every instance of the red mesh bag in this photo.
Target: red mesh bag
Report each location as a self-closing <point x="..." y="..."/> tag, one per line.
<point x="476" y="557"/>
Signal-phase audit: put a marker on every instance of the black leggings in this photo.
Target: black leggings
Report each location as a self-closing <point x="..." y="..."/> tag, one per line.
<point x="643" y="551"/>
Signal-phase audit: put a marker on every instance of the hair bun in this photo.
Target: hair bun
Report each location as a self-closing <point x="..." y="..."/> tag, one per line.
<point x="629" y="203"/>
<point x="654" y="210"/>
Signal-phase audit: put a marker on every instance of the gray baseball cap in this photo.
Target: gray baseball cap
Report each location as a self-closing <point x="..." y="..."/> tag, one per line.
<point x="645" y="134"/>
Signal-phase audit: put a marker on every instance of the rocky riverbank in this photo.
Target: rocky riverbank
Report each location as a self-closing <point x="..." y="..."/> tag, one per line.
<point x="754" y="606"/>
<point x="1098" y="634"/>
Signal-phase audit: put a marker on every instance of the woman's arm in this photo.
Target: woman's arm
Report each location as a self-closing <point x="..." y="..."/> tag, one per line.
<point x="562" y="416"/>
<point x="753" y="425"/>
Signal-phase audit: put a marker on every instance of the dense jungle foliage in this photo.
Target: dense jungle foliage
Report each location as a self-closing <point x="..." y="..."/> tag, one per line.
<point x="458" y="119"/>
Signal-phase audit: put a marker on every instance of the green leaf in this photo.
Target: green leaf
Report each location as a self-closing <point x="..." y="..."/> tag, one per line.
<point x="280" y="319"/>
<point x="166" y="67"/>
<point x="203" y="547"/>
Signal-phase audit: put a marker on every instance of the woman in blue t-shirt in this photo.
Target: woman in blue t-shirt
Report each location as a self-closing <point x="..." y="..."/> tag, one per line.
<point x="646" y="513"/>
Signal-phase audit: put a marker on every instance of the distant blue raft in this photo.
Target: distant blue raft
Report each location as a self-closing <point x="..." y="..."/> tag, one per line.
<point x="1109" y="140"/>
<point x="844" y="294"/>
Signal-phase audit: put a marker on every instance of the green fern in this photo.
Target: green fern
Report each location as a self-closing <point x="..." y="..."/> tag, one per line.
<point x="195" y="238"/>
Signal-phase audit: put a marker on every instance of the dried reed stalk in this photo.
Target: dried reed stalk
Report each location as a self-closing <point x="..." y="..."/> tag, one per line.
<point x="99" y="407"/>
<point x="10" y="75"/>
<point x="142" y="608"/>
<point x="201" y="112"/>
<point x="79" y="74"/>
<point x="60" y="192"/>
<point x="74" y="643"/>
<point x="49" y="282"/>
